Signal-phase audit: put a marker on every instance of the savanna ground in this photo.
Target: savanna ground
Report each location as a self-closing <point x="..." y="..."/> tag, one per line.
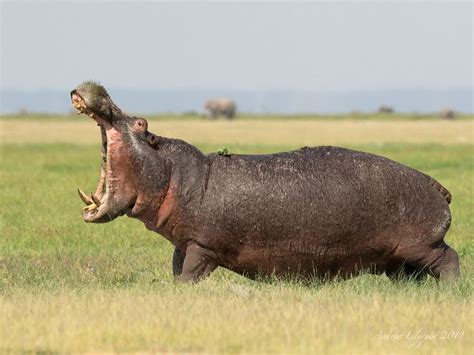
<point x="66" y="286"/>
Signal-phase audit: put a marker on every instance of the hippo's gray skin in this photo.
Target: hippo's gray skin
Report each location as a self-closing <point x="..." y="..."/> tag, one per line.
<point x="313" y="212"/>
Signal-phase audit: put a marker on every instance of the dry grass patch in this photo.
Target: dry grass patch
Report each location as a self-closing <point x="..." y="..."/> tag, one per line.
<point x="224" y="316"/>
<point x="264" y="132"/>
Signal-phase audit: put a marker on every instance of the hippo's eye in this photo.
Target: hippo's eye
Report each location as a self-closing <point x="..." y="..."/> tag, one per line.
<point x="152" y="140"/>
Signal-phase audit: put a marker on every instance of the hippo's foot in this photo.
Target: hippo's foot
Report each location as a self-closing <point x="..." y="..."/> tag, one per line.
<point x="442" y="263"/>
<point x="198" y="264"/>
<point x="446" y="265"/>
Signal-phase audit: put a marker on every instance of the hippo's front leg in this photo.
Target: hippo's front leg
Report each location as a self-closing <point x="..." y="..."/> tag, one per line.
<point x="178" y="261"/>
<point x="197" y="264"/>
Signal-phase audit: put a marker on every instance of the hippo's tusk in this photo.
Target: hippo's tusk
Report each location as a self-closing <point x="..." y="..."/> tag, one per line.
<point x="86" y="199"/>
<point x="90" y="207"/>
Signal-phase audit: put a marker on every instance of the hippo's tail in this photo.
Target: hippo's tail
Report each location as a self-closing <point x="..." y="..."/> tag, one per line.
<point x="440" y="188"/>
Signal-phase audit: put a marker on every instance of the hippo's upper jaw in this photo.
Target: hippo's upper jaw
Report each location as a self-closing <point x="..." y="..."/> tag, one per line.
<point x="116" y="190"/>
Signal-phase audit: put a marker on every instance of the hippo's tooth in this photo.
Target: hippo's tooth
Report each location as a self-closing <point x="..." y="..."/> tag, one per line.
<point x="86" y="199"/>
<point x="90" y="207"/>
<point x="97" y="202"/>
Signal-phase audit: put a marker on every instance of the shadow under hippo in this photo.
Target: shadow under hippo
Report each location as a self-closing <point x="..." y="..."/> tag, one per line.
<point x="313" y="212"/>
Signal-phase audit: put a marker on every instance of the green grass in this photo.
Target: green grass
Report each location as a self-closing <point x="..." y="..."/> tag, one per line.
<point x="69" y="286"/>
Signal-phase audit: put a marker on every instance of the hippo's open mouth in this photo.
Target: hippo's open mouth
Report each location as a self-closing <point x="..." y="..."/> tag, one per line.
<point x="96" y="209"/>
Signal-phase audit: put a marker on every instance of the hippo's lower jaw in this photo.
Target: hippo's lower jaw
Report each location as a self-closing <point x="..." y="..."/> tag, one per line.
<point x="100" y="205"/>
<point x="98" y="214"/>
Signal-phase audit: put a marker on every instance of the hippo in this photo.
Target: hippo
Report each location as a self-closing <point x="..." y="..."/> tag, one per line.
<point x="216" y="107"/>
<point x="386" y="109"/>
<point x="448" y="113"/>
<point x="313" y="213"/>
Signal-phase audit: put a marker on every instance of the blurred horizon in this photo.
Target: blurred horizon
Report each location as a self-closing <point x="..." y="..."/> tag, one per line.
<point x="271" y="57"/>
<point x="257" y="102"/>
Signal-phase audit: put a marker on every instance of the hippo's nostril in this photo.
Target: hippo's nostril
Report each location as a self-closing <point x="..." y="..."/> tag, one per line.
<point x="78" y="102"/>
<point x="75" y="98"/>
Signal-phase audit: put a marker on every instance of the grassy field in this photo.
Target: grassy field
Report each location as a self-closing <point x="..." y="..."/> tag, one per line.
<point x="66" y="286"/>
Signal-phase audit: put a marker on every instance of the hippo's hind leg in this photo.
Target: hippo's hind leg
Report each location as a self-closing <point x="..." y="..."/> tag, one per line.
<point x="198" y="264"/>
<point x="430" y="253"/>
<point x="178" y="261"/>
<point x="441" y="262"/>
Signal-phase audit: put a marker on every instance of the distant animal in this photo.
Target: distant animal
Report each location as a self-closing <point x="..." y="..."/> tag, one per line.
<point x="313" y="212"/>
<point x="220" y="107"/>
<point x="448" y="113"/>
<point x="385" y="109"/>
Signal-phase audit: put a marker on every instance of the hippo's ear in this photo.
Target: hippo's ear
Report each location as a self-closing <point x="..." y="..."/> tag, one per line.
<point x="140" y="125"/>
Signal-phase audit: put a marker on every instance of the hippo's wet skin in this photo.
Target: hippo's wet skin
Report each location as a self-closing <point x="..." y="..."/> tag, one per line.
<point x="313" y="212"/>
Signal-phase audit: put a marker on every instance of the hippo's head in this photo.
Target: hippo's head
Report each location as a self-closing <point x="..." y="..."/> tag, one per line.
<point x="126" y="150"/>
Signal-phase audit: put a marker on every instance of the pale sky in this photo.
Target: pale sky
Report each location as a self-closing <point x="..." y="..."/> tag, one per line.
<point x="237" y="45"/>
